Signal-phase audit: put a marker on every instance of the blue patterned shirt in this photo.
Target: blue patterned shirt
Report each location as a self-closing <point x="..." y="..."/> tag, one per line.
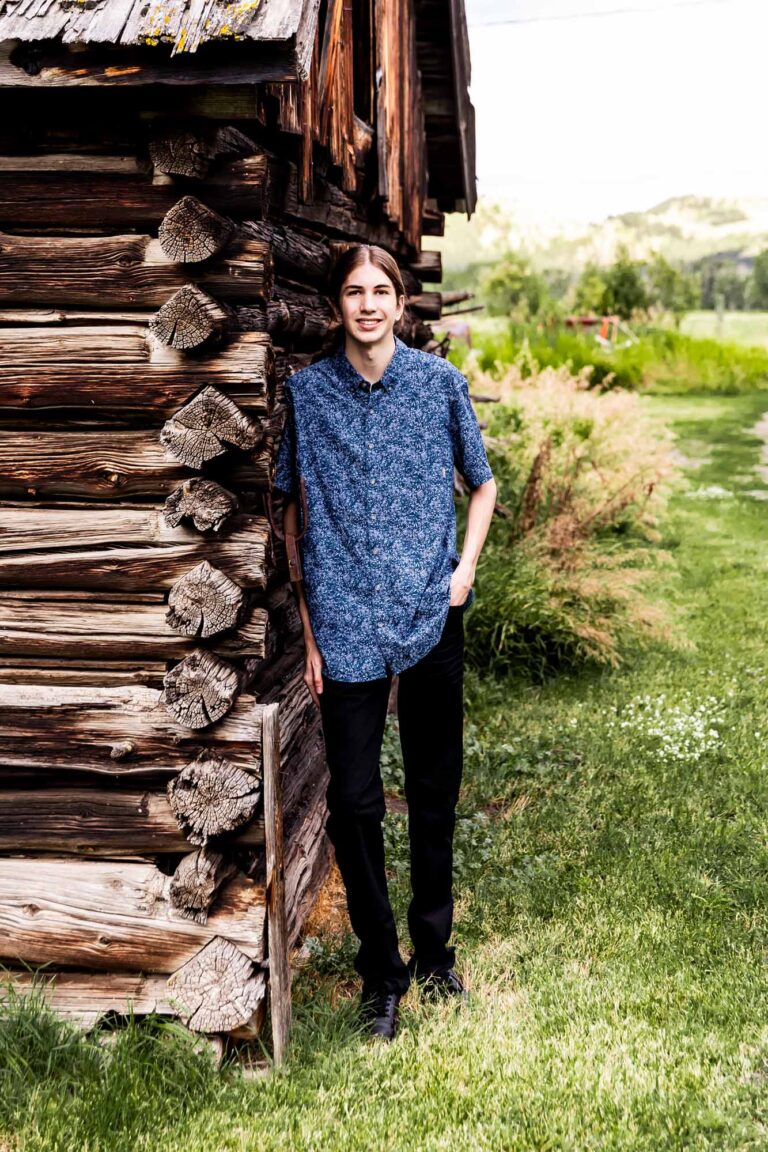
<point x="377" y="462"/>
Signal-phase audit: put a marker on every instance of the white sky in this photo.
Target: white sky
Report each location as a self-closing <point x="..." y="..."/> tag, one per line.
<point x="579" y="116"/>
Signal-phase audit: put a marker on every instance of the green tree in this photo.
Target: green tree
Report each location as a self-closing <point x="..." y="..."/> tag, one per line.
<point x="625" y="290"/>
<point x="670" y="287"/>
<point x="757" y="288"/>
<point x="510" y="286"/>
<point x="590" y="290"/>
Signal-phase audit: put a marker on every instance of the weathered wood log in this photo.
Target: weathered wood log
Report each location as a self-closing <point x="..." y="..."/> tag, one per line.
<point x="212" y="797"/>
<point x="125" y="271"/>
<point x="192" y="232"/>
<point x="279" y="970"/>
<point x="106" y="915"/>
<point x="197" y="880"/>
<point x="298" y="255"/>
<point x="433" y="221"/>
<point x="449" y="298"/>
<point x="178" y="151"/>
<point x="428" y="266"/>
<point x="428" y="305"/>
<point x="219" y="988"/>
<point x="108" y="463"/>
<point x="307" y="850"/>
<point x="79" y="193"/>
<point x="204" y="502"/>
<point x="97" y="369"/>
<point x="104" y="626"/>
<point x="190" y="319"/>
<point x="207" y="427"/>
<point x="99" y="822"/>
<point x="77" y="728"/>
<point x="204" y="602"/>
<point x="86" y="997"/>
<point x="201" y="689"/>
<point x="130" y="549"/>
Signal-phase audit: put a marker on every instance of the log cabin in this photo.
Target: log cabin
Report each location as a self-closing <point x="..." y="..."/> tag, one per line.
<point x="176" y="178"/>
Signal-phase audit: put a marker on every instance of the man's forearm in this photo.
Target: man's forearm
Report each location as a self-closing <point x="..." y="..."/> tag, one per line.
<point x="291" y="525"/>
<point x="482" y="502"/>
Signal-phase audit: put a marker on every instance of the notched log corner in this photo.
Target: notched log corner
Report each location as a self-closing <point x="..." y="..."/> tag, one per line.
<point x="200" y="689"/>
<point x="190" y="319"/>
<point x="178" y="151"/>
<point x="204" y="502"/>
<point x="204" y="602"/>
<point x="191" y="232"/>
<point x="206" y="427"/>
<point x="218" y="990"/>
<point x="212" y="797"/>
<point x="196" y="881"/>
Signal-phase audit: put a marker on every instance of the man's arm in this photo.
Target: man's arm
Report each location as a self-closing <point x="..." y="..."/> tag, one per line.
<point x="482" y="501"/>
<point x="312" y="658"/>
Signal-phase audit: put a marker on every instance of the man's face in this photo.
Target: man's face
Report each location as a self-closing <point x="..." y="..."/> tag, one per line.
<point x="369" y="305"/>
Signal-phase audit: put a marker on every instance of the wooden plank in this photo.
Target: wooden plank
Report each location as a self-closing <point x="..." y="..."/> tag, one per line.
<point x="308" y="850"/>
<point x="74" y="194"/>
<point x="102" y="626"/>
<point x="124" y="271"/>
<point x="115" y="916"/>
<point x="279" y="967"/>
<point x="99" y="822"/>
<point x="86" y="997"/>
<point x="122" y="731"/>
<point x="121" y="369"/>
<point x="109" y="464"/>
<point x="122" y="548"/>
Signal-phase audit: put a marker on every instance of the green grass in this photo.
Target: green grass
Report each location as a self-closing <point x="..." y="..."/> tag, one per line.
<point x="661" y="360"/>
<point x="611" y="919"/>
<point x="749" y="328"/>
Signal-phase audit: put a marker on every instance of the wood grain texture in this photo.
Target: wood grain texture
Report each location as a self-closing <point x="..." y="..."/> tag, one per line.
<point x="114" y="915"/>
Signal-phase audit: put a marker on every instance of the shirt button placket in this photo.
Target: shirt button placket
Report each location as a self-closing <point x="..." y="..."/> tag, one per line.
<point x="373" y="516"/>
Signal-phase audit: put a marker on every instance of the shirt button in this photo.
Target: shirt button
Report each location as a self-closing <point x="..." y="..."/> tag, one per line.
<point x="378" y="587"/>
<point x="373" y="479"/>
<point x="376" y="551"/>
<point x="373" y="515"/>
<point x="370" y="444"/>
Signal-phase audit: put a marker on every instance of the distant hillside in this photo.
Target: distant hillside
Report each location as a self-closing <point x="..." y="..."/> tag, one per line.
<point x="683" y="229"/>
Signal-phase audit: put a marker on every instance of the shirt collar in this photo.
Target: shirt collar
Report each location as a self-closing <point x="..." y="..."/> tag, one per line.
<point x="352" y="378"/>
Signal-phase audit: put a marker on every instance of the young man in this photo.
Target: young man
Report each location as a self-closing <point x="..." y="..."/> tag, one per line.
<point x="373" y="432"/>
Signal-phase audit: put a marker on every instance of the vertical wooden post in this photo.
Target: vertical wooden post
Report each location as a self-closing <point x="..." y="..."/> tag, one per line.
<point x="279" y="968"/>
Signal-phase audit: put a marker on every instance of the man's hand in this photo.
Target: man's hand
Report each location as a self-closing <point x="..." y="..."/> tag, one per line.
<point x="313" y="669"/>
<point x="461" y="582"/>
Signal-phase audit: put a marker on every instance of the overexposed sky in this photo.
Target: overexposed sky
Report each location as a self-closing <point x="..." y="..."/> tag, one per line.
<point x="591" y="107"/>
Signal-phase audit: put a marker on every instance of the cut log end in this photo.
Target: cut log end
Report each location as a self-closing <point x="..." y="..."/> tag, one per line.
<point x="204" y="602"/>
<point x="212" y="797"/>
<point x="203" y="429"/>
<point x="204" y="502"/>
<point x="190" y="319"/>
<point x="196" y="881"/>
<point x="218" y="990"/>
<point x="200" y="689"/>
<point x="191" y="232"/>
<point x="181" y="153"/>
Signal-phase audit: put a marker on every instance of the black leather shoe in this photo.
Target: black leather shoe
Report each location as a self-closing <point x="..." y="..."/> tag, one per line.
<point x="378" y="1010"/>
<point x="443" y="984"/>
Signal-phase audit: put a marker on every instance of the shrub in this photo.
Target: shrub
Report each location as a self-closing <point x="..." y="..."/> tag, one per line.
<point x="662" y="360"/>
<point x="582" y="480"/>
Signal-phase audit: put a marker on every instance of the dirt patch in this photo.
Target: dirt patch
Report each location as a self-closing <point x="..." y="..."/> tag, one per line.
<point x="329" y="915"/>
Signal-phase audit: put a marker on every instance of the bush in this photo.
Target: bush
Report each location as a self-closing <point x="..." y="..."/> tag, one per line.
<point x="582" y="480"/>
<point x="662" y="360"/>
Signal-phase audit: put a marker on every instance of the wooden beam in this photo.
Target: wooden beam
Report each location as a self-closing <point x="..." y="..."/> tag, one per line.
<point x="109" y="464"/>
<point x="115" y="916"/>
<point x="125" y="271"/>
<point x="101" y="626"/>
<point x="98" y="369"/>
<point x="121" y="548"/>
<point x="279" y="967"/>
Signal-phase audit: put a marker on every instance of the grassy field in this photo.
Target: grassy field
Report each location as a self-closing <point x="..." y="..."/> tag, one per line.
<point x="737" y="327"/>
<point x="611" y="922"/>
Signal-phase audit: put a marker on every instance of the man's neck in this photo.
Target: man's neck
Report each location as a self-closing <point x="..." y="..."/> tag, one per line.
<point x="370" y="360"/>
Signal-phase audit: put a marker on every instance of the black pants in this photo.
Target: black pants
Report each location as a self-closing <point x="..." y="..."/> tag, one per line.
<point x="430" y="708"/>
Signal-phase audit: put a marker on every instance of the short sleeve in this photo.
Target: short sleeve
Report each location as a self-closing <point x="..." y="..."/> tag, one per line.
<point x="286" y="473"/>
<point x="468" y="448"/>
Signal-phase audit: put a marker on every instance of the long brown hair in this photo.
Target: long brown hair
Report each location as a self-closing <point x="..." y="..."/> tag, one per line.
<point x="345" y="264"/>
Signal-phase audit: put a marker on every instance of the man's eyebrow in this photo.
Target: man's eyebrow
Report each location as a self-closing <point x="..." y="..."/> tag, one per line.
<point x="384" y="284"/>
